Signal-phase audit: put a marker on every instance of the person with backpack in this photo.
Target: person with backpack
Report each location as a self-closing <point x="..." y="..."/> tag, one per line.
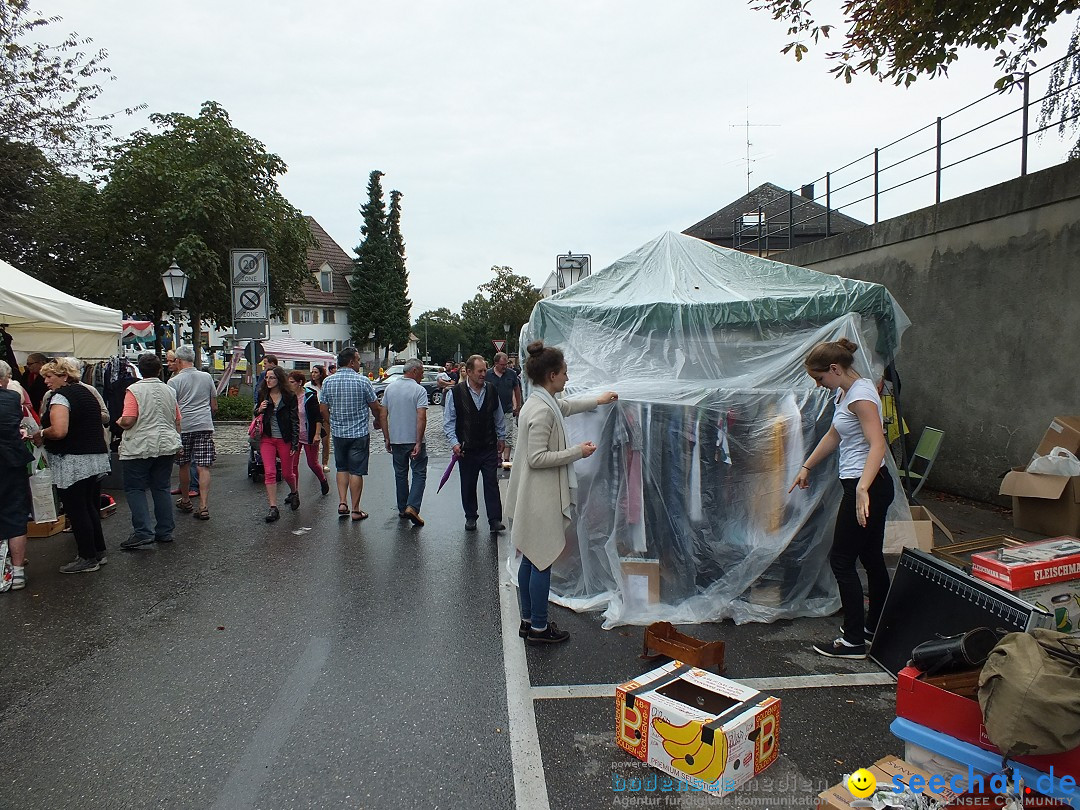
<point x="310" y="422"/>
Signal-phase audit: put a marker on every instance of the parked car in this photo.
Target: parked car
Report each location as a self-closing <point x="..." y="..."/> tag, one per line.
<point x="435" y="396"/>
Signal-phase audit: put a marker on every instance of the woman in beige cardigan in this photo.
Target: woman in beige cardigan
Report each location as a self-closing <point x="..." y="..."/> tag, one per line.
<point x="543" y="486"/>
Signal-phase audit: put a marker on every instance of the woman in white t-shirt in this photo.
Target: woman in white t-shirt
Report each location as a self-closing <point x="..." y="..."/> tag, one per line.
<point x="857" y="430"/>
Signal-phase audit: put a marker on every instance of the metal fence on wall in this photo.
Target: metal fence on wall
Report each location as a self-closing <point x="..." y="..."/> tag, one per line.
<point x="864" y="182"/>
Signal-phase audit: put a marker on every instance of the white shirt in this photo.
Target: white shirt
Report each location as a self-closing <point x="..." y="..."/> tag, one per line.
<point x="854" y="447"/>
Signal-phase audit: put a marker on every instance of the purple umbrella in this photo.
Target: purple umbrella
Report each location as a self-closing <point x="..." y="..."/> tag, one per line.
<point x="446" y="475"/>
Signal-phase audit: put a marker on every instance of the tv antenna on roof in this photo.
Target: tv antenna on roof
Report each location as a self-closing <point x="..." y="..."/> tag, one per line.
<point x="748" y="159"/>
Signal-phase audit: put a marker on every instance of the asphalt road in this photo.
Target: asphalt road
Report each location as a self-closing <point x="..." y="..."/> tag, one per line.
<point x="324" y="663"/>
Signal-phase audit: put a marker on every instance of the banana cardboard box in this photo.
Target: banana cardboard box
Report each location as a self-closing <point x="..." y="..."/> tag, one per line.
<point x="1062" y="599"/>
<point x="712" y="733"/>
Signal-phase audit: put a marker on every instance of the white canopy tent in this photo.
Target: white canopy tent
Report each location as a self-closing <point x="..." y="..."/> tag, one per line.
<point x="40" y="318"/>
<point x="284" y="348"/>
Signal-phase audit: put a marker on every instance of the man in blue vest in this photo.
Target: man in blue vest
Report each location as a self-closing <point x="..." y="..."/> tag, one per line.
<point x="474" y="426"/>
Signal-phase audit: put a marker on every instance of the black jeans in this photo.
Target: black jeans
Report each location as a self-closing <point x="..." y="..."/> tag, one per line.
<point x="851" y="543"/>
<point x="82" y="505"/>
<point x="471" y="465"/>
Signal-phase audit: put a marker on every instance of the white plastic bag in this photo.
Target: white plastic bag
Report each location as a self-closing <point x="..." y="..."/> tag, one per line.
<point x="1058" y="462"/>
<point x="41" y="495"/>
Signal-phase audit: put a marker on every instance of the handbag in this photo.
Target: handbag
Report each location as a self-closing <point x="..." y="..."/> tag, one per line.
<point x="1029" y="692"/>
<point x="255" y="429"/>
<point x="951" y="653"/>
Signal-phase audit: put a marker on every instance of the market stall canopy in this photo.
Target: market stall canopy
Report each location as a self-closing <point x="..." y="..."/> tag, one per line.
<point x="40" y="318"/>
<point x="686" y="512"/>
<point x="681" y="308"/>
<point x="138" y="331"/>
<point x="291" y="349"/>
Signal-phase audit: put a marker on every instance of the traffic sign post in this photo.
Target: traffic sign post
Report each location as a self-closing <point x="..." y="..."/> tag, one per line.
<point x="250" y="281"/>
<point x="500" y="345"/>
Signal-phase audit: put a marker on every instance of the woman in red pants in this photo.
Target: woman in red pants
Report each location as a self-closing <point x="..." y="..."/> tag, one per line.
<point x="280" y="437"/>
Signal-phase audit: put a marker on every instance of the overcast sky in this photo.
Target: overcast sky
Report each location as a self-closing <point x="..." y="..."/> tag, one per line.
<point x="519" y="131"/>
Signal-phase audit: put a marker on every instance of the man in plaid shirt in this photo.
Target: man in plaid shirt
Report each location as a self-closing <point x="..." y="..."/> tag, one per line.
<point x="346" y="397"/>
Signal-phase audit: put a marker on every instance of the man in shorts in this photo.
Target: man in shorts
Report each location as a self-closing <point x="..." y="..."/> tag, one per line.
<point x="196" y="395"/>
<point x="346" y="398"/>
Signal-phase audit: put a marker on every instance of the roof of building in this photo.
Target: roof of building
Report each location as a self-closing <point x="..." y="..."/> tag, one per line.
<point x="327" y="251"/>
<point x="809" y="216"/>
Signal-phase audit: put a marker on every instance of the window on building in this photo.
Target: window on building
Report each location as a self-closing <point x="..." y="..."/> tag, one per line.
<point x="329" y="316"/>
<point x="304" y="316"/>
<point x="753" y="219"/>
<point x="326" y="280"/>
<point x="302" y="365"/>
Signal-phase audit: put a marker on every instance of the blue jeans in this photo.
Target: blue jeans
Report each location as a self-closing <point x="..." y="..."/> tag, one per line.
<point x="154" y="474"/>
<point x="193" y="475"/>
<point x="409" y="495"/>
<point x="533" y="588"/>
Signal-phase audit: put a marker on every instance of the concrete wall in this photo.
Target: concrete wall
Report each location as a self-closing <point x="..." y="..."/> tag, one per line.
<point x="991" y="282"/>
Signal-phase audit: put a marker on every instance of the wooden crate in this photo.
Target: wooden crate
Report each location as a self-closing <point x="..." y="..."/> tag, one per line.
<point x="46" y="529"/>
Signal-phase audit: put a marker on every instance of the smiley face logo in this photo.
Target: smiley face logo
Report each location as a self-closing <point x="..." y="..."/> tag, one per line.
<point x="862" y="784"/>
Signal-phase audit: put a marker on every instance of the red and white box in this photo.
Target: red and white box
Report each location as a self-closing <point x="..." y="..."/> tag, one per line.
<point x="712" y="733"/>
<point x="961" y="717"/>
<point x="1031" y="565"/>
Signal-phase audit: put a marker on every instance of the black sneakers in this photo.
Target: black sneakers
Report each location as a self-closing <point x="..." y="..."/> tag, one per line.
<point x="470" y="525"/>
<point x="293" y="500"/>
<point x="272" y="515"/>
<point x="325" y="486"/>
<point x="523" y="629"/>
<point x="549" y="635"/>
<point x="838" y="648"/>
<point x="497" y="526"/>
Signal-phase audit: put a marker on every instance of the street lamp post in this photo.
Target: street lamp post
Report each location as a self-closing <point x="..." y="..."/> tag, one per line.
<point x="506" y="333"/>
<point x="176" y="284"/>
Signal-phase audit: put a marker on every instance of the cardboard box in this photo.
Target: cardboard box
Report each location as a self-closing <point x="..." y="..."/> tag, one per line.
<point x="641" y="581"/>
<point x="1061" y="600"/>
<point x="960" y="717"/>
<point x="885" y="770"/>
<point x="916" y="533"/>
<point x="1031" y="565"/>
<point x="1046" y="504"/>
<point x="47" y="529"/>
<point x="712" y="733"/>
<point x="1064" y="431"/>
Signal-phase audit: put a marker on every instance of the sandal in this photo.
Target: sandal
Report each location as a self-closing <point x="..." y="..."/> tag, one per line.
<point x="184" y="505"/>
<point x="342" y="511"/>
<point x="202" y="514"/>
<point x="363" y="515"/>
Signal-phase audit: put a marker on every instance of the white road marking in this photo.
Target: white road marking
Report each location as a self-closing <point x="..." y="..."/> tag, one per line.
<point x="607" y="690"/>
<point x="256" y="765"/>
<point x="530" y="784"/>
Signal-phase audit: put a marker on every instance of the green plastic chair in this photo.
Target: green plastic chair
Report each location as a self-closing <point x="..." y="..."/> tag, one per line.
<point x="922" y="460"/>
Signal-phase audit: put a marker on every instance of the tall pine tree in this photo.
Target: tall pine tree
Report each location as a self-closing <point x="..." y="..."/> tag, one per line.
<point x="398" y="303"/>
<point x="373" y="271"/>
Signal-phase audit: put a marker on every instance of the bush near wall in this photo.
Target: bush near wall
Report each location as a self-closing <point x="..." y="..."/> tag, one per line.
<point x="234" y="409"/>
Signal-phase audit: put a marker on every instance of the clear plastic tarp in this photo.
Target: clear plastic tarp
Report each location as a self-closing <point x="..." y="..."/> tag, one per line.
<point x="683" y="513"/>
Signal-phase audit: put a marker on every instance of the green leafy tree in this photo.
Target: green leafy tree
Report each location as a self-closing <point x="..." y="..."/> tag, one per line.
<point x="51" y="224"/>
<point x="477" y="326"/>
<point x="193" y="191"/>
<point x="899" y="41"/>
<point x="373" y="271"/>
<point x="440" y="333"/>
<point x="398" y="304"/>
<point x="1061" y="105"/>
<point x="46" y="90"/>
<point x="511" y="299"/>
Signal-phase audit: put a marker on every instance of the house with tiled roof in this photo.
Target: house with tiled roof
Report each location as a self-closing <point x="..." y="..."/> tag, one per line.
<point x="321" y="317"/>
<point x="771" y="219"/>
